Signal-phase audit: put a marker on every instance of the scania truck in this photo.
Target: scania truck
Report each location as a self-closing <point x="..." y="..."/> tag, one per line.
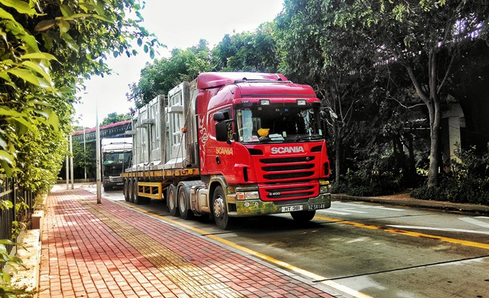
<point x="231" y="144"/>
<point x="116" y="156"/>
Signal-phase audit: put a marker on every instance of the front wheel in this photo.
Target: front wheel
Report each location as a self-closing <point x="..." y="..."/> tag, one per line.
<point x="303" y="216"/>
<point x="219" y="210"/>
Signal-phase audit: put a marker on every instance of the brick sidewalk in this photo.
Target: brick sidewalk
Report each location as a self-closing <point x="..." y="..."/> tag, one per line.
<point x="108" y="250"/>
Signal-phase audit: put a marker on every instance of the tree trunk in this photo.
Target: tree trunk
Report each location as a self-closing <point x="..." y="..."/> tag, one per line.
<point x="432" y="102"/>
<point x="435" y="122"/>
<point x="337" y="146"/>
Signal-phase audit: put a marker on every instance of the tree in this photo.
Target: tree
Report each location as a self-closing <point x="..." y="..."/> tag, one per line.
<point x="248" y="51"/>
<point x="114" y="118"/>
<point x="424" y="37"/>
<point x="162" y="75"/>
<point x="47" y="48"/>
<point x="334" y="61"/>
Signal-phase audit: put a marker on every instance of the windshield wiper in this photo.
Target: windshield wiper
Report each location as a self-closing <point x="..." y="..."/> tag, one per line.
<point x="308" y="138"/>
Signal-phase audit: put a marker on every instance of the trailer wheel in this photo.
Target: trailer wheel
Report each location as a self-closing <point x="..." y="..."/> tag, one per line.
<point x="171" y="200"/>
<point x="137" y="199"/>
<point x="303" y="216"/>
<point x="126" y="190"/>
<point x="219" y="210"/>
<point x="131" y="190"/>
<point x="184" y="201"/>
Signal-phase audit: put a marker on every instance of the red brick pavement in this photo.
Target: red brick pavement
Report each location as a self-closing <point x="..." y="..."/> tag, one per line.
<point x="108" y="250"/>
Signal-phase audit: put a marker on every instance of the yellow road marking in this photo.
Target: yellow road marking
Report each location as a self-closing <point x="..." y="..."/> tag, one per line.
<point x="259" y="255"/>
<point x="407" y="233"/>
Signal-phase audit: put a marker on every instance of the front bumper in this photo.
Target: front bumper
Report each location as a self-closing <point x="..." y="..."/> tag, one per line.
<point x="259" y="207"/>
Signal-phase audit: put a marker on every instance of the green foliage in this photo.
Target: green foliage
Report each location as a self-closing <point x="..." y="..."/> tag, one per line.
<point x="5" y="279"/>
<point x="162" y="75"/>
<point x="46" y="49"/>
<point x="468" y="182"/>
<point x="84" y="157"/>
<point x="375" y="174"/>
<point x="256" y="51"/>
<point x="114" y="118"/>
<point x="248" y="51"/>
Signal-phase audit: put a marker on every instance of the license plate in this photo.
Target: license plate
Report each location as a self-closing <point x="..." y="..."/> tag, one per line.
<point x="317" y="206"/>
<point x="292" y="208"/>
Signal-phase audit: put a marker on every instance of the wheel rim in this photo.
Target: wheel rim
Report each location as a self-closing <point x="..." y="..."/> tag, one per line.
<point x="171" y="199"/>
<point x="181" y="201"/>
<point x="219" y="207"/>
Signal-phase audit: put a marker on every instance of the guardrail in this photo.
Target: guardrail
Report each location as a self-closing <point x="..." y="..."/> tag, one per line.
<point x="11" y="196"/>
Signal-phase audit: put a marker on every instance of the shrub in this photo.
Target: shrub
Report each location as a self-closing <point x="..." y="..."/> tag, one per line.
<point x="468" y="182"/>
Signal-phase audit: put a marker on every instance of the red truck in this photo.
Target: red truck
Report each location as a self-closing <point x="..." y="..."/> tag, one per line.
<point x="231" y="145"/>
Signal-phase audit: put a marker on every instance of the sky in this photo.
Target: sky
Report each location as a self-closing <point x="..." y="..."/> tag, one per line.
<point x="176" y="24"/>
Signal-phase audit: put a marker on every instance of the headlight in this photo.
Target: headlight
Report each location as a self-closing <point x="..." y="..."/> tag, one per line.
<point x="248" y="195"/>
<point x="324" y="189"/>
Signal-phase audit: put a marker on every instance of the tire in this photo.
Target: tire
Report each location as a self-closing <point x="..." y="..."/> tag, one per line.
<point x="137" y="199"/>
<point x="183" y="197"/>
<point x="219" y="210"/>
<point x="107" y="187"/>
<point x="303" y="216"/>
<point x="171" y="200"/>
<point x="131" y="190"/>
<point x="125" y="190"/>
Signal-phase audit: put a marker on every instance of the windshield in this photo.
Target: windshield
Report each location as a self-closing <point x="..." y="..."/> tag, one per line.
<point x="115" y="158"/>
<point x="278" y="123"/>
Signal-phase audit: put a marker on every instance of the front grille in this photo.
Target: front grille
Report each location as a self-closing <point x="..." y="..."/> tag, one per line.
<point x="288" y="168"/>
<point x="301" y="191"/>
<point x="289" y="175"/>
<point x="287" y="160"/>
<point x="274" y="169"/>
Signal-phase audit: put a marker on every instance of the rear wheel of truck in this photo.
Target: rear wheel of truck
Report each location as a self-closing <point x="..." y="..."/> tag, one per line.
<point x="303" y="216"/>
<point x="171" y="200"/>
<point x="219" y="210"/>
<point x="125" y="190"/>
<point x="137" y="199"/>
<point x="130" y="184"/>
<point x="184" y="201"/>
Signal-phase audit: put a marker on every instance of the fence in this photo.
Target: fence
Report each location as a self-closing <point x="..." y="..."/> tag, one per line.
<point x="10" y="197"/>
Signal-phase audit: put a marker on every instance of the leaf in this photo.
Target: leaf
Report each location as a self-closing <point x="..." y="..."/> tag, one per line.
<point x="44" y="25"/>
<point x="7" y="242"/>
<point x="70" y="42"/>
<point x="64" y="26"/>
<point x="6" y="157"/>
<point x="5" y="76"/>
<point x="66" y="10"/>
<point x="6" y="15"/>
<point x="5" y="111"/>
<point x="25" y="75"/>
<point x="35" y="67"/>
<point x="21" y="7"/>
<point x="39" y="55"/>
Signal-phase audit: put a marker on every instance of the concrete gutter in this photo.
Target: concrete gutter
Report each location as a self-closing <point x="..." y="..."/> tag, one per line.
<point x="406" y="200"/>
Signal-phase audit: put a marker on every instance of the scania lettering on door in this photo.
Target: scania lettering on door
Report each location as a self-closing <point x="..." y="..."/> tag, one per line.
<point x="284" y="150"/>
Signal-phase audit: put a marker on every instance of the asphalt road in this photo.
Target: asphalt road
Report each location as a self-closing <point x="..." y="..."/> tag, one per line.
<point x="379" y="251"/>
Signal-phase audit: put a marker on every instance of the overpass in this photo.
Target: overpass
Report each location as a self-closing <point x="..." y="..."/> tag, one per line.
<point x="113" y="130"/>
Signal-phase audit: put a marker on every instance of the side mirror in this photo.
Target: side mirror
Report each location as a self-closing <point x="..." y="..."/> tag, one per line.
<point x="218" y="116"/>
<point x="224" y="130"/>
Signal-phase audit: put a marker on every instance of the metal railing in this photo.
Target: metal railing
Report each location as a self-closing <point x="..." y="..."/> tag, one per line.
<point x="10" y="198"/>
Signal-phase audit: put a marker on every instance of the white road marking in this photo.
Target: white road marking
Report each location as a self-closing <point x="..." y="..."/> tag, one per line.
<point x="438" y="229"/>
<point x="476" y="222"/>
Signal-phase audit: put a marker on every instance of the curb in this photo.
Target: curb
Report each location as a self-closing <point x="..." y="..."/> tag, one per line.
<point x="411" y="202"/>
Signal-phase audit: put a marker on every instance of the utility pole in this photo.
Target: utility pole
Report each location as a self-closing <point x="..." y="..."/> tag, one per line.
<point x="98" y="168"/>
<point x="84" y="154"/>
<point x="71" y="163"/>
